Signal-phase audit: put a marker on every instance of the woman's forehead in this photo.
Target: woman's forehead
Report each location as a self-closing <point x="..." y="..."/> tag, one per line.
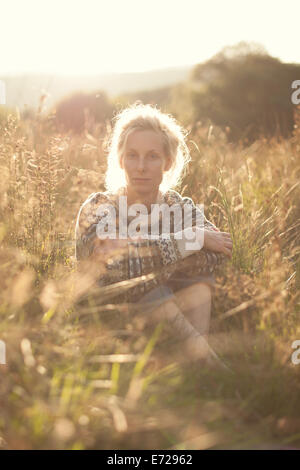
<point x="145" y="139"/>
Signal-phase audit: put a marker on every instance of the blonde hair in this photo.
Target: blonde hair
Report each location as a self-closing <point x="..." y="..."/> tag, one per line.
<point x="141" y="116"/>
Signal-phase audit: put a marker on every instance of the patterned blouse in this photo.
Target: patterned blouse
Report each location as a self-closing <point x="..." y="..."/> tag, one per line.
<point x="147" y="263"/>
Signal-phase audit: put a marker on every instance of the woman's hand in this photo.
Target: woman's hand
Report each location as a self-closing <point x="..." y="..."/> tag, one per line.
<point x="218" y="241"/>
<point x="108" y="246"/>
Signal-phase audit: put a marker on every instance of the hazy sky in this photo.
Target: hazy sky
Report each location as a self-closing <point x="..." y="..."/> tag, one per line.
<point x="100" y="36"/>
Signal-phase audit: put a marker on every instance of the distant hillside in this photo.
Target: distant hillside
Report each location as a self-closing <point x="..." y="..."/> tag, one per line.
<point x="22" y="90"/>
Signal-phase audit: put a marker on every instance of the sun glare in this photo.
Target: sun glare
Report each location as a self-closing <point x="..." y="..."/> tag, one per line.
<point x="97" y="36"/>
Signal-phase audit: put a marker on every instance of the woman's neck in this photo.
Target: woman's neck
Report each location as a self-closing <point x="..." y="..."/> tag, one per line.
<point x="147" y="199"/>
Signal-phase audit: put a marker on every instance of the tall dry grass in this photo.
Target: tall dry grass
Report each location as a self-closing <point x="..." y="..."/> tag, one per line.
<point x="82" y="372"/>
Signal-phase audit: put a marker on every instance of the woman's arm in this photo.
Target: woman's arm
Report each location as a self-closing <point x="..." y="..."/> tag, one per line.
<point x="215" y="244"/>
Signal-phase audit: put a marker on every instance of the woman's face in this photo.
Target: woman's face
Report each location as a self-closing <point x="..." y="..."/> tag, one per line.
<point x="144" y="161"/>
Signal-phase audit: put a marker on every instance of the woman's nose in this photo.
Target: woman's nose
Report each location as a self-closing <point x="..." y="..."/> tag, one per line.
<point x="141" y="164"/>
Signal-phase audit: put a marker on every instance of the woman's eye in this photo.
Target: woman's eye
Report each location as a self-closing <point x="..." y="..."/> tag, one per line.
<point x="153" y="156"/>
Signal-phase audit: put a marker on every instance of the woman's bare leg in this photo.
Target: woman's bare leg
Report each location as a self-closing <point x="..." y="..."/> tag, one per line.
<point x="191" y="327"/>
<point x="195" y="344"/>
<point x="195" y="303"/>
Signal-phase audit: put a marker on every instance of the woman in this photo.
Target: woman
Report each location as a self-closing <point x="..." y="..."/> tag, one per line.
<point x="169" y="276"/>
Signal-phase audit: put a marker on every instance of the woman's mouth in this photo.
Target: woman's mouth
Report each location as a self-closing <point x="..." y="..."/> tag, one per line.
<point x="141" y="179"/>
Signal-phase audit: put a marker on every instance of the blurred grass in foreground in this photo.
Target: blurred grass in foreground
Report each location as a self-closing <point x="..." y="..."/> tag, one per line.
<point x="82" y="372"/>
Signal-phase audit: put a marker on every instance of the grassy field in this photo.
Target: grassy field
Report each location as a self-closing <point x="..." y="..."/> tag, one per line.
<point x="82" y="373"/>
